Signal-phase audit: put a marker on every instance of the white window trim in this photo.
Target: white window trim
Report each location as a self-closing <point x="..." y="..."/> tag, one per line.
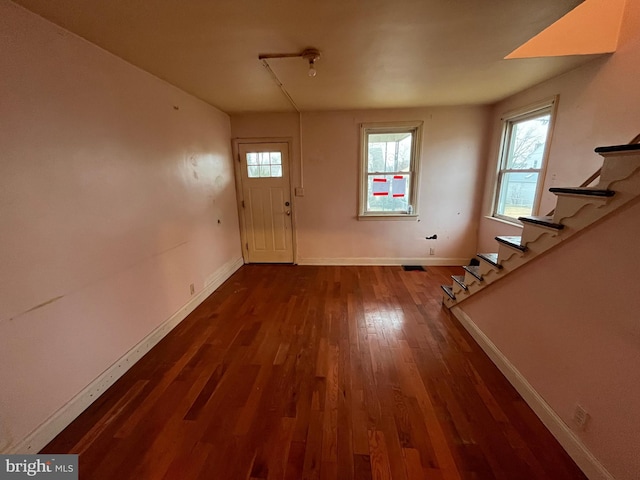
<point x="389" y="127"/>
<point x="522" y="113"/>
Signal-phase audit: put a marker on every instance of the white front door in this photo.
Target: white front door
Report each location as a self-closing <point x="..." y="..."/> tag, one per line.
<point x="266" y="197"/>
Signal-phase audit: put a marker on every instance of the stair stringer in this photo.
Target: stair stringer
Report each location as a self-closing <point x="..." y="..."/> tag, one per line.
<point x="574" y="212"/>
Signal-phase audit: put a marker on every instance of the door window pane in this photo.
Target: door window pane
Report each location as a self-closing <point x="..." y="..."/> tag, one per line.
<point x="264" y="164"/>
<point x="276" y="158"/>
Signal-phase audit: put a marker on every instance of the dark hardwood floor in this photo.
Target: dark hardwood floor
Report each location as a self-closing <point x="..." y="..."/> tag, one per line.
<point x="294" y="372"/>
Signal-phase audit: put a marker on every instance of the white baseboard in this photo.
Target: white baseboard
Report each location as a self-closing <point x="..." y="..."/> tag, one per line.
<point x="425" y="261"/>
<point x="51" y="427"/>
<point x="587" y="462"/>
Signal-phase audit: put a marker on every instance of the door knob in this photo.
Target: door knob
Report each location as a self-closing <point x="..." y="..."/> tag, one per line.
<point x="288" y="212"/>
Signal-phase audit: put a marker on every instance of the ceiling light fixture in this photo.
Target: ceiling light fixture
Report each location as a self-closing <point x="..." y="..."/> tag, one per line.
<point x="311" y="55"/>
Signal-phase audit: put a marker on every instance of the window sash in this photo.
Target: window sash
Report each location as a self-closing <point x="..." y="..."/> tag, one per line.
<point x="404" y="210"/>
<point x="413" y="128"/>
<point x="509" y="124"/>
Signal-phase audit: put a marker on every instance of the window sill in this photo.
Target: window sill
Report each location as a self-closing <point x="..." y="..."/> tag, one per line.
<point x="514" y="223"/>
<point x="391" y="216"/>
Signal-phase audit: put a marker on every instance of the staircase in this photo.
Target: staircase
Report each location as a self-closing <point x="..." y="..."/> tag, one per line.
<point x="576" y="209"/>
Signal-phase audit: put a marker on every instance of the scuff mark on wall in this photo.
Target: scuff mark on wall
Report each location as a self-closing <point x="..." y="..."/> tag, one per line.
<point x="43" y="304"/>
<point x="55" y="299"/>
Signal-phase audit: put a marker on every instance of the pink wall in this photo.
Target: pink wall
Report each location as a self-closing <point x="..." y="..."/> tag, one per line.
<point x="599" y="105"/>
<point x="112" y="184"/>
<point x="568" y="322"/>
<point x="327" y="227"/>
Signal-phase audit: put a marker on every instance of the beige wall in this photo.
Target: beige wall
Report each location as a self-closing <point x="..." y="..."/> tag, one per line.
<point x="112" y="184"/>
<point x="599" y="105"/>
<point x="327" y="227"/>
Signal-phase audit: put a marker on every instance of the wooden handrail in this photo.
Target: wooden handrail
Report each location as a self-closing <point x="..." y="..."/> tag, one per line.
<point x="597" y="173"/>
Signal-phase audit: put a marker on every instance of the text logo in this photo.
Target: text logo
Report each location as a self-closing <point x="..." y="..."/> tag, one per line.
<point x="45" y="467"/>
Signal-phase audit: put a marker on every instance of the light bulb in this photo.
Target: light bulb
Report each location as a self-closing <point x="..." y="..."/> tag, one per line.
<point x="312" y="70"/>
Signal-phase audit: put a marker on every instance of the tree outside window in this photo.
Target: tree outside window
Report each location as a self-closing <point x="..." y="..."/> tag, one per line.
<point x="522" y="161"/>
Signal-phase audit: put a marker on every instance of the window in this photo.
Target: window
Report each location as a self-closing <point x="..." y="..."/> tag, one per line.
<point x="264" y="164"/>
<point x="525" y="143"/>
<point x="389" y="169"/>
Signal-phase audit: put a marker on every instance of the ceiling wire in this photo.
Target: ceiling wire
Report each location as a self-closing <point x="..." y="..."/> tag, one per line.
<point x="293" y="104"/>
<point x="279" y="83"/>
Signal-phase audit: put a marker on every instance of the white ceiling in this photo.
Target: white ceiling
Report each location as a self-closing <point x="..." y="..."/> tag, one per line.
<point x="375" y="53"/>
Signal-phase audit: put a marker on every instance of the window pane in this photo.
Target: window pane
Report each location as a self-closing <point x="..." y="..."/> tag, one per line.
<point x="527" y="142"/>
<point x="517" y="194"/>
<point x="253" y="171"/>
<point x="252" y="158"/>
<point x="389" y="152"/>
<point x="388" y="193"/>
<point x="276" y="158"/>
<point x="264" y="158"/>
<point x="404" y="156"/>
<point x="265" y="171"/>
<point x="276" y="170"/>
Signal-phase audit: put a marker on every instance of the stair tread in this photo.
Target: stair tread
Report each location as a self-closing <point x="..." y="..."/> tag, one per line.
<point x="491" y="258"/>
<point x="618" y="148"/>
<point x="474" y="270"/>
<point x="512" y="241"/>
<point x="588" y="191"/>
<point x="449" y="291"/>
<point x="459" y="279"/>
<point x="545" y="221"/>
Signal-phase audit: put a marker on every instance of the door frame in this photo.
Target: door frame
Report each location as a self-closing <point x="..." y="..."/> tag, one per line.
<point x="236" y="142"/>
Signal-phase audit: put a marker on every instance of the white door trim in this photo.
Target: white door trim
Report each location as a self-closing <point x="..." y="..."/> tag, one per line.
<point x="235" y="143"/>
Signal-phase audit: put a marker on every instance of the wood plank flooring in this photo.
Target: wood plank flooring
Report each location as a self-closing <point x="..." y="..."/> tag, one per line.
<point x="300" y="372"/>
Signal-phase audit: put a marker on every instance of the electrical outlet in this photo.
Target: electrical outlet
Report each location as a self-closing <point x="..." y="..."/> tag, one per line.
<point x="192" y="289"/>
<point x="432" y="251"/>
<point x="581" y="417"/>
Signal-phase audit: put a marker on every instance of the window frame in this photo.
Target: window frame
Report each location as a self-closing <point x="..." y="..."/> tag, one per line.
<point x="413" y="127"/>
<point x="509" y="119"/>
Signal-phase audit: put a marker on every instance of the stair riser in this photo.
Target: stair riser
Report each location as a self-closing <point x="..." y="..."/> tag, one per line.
<point x="489" y="274"/>
<point x="505" y="252"/>
<point x="618" y="166"/>
<point x="532" y="232"/>
<point x="626" y="188"/>
<point x="569" y="205"/>
<point x="470" y="279"/>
